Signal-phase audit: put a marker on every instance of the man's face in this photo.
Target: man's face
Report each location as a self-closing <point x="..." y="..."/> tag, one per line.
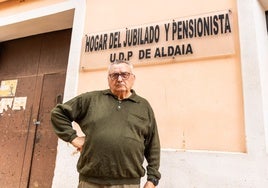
<point x="121" y="79"/>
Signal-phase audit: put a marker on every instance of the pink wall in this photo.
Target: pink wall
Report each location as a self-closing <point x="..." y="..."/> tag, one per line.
<point x="198" y="103"/>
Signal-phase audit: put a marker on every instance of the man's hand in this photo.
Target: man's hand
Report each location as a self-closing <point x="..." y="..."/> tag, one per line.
<point x="149" y="184"/>
<point x="78" y="143"/>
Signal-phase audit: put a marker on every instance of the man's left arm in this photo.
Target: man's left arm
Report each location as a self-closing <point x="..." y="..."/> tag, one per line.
<point x="152" y="155"/>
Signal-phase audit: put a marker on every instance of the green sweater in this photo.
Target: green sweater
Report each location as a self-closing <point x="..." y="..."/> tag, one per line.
<point x="119" y="134"/>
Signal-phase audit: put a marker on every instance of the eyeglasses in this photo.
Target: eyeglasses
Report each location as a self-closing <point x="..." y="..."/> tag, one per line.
<point x="124" y="75"/>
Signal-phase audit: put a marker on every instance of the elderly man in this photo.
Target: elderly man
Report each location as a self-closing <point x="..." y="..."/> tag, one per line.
<point x="120" y="131"/>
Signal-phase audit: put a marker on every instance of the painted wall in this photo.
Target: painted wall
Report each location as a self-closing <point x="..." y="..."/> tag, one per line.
<point x="11" y="8"/>
<point x="208" y="88"/>
<point x="225" y="92"/>
<point x="211" y="112"/>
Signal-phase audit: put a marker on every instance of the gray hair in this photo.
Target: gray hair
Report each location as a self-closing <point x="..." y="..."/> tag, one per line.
<point x="116" y="62"/>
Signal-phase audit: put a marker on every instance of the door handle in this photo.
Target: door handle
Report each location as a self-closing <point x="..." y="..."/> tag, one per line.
<point x="35" y="122"/>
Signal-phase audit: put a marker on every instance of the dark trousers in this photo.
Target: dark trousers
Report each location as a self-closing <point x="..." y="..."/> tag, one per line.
<point x="83" y="184"/>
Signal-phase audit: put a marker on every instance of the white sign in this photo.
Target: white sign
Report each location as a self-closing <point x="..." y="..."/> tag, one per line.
<point x="182" y="39"/>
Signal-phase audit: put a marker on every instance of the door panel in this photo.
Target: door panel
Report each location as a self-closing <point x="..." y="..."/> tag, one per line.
<point x="54" y="54"/>
<point x="17" y="135"/>
<point x="20" y="57"/>
<point x="46" y="140"/>
<point x="28" y="151"/>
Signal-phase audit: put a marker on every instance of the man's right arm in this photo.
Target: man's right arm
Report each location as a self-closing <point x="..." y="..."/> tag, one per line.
<point x="62" y="117"/>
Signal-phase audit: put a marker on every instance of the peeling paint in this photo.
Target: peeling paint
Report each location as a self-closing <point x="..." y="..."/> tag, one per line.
<point x="19" y="103"/>
<point x="5" y="103"/>
<point x="8" y="88"/>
